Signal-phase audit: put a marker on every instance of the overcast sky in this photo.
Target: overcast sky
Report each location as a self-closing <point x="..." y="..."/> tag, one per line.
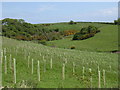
<point x="50" y="12"/>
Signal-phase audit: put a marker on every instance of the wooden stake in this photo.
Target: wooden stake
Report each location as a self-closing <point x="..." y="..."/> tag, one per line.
<point x="38" y="71"/>
<point x="32" y="66"/>
<point x="90" y="70"/>
<point x="63" y="72"/>
<point x="51" y="63"/>
<point x="5" y="65"/>
<point x="14" y="70"/>
<point x="99" y="86"/>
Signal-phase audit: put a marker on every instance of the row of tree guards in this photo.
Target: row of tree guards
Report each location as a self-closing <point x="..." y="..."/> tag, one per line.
<point x="12" y="62"/>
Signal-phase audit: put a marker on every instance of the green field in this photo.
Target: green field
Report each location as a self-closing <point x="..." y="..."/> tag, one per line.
<point x="105" y="41"/>
<point x="78" y="26"/>
<point x="52" y="78"/>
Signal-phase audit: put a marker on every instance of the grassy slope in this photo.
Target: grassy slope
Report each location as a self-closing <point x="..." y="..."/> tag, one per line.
<point x="106" y="40"/>
<point x="52" y="78"/>
<point x="78" y="26"/>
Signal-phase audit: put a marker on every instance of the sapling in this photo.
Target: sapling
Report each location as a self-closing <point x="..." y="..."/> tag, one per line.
<point x="38" y="70"/>
<point x="5" y="65"/>
<point x="63" y="72"/>
<point x="14" y="70"/>
<point x="99" y="86"/>
<point x="32" y="66"/>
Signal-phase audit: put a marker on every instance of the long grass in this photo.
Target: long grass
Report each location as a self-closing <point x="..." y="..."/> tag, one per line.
<point x="52" y="77"/>
<point x="104" y="41"/>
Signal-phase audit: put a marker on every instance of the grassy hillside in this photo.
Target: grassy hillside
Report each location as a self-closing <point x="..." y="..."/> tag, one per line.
<point x="106" y="40"/>
<point x="52" y="78"/>
<point x="78" y="26"/>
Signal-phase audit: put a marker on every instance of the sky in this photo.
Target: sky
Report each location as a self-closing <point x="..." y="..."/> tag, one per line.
<point x="52" y="12"/>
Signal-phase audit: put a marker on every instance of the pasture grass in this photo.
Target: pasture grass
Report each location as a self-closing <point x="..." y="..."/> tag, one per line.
<point x="104" y="41"/>
<point x="52" y="78"/>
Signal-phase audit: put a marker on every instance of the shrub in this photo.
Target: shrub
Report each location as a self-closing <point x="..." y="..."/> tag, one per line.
<point x="43" y="42"/>
<point x="69" y="32"/>
<point x="71" y="22"/>
<point x="85" y="33"/>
